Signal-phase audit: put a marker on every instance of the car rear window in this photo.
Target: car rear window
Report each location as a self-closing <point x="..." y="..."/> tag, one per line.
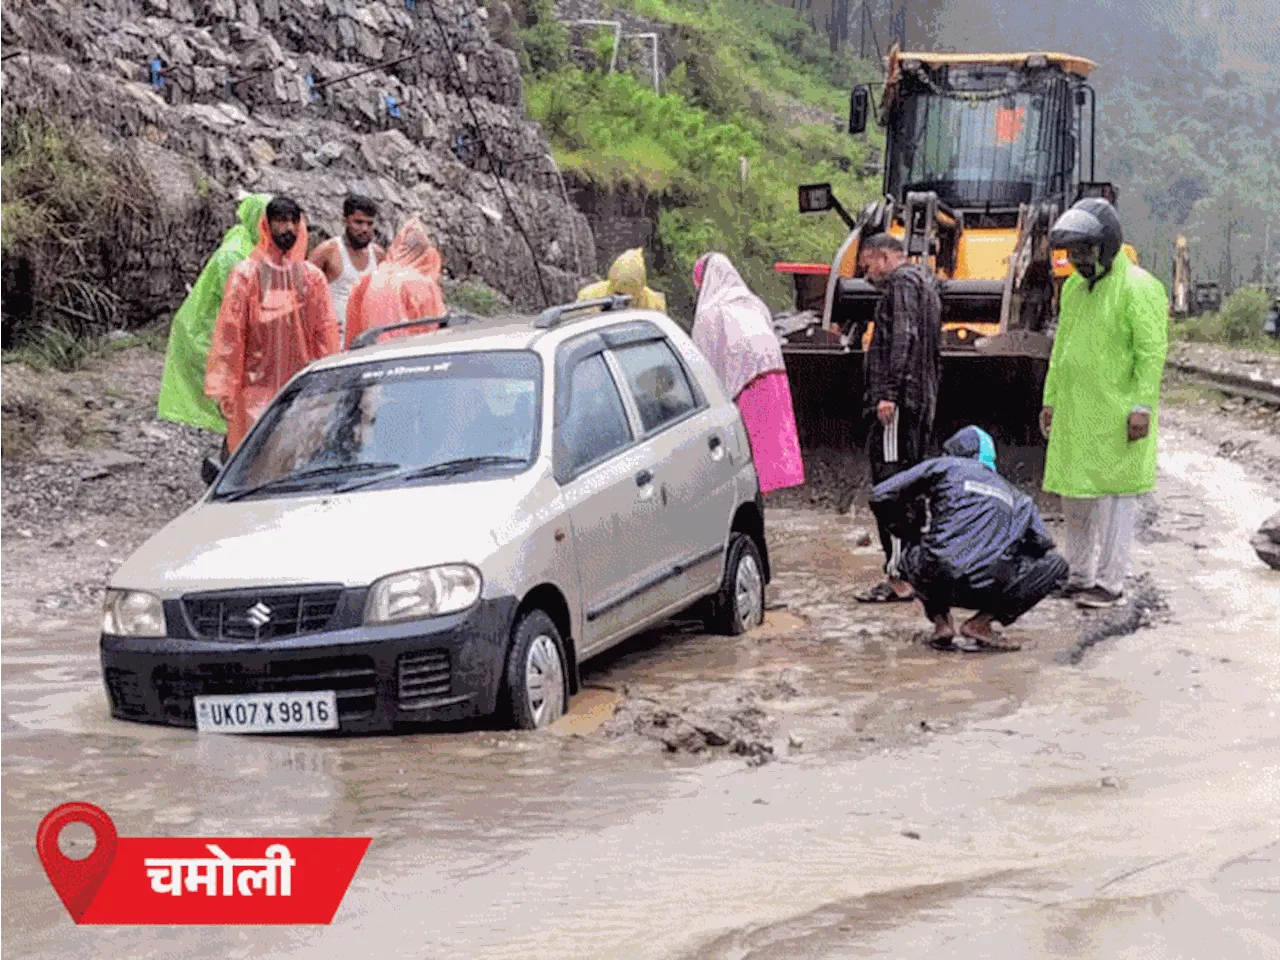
<point x="657" y="382"/>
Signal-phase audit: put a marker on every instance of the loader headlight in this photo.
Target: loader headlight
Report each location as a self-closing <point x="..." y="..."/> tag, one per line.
<point x="132" y="613"/>
<point x="428" y="592"/>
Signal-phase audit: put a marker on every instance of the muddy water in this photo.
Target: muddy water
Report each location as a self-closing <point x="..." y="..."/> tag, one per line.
<point x="913" y="801"/>
<point x="451" y="808"/>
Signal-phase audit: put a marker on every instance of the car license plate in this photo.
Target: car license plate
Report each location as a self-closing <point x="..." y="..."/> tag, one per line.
<point x="267" y="712"/>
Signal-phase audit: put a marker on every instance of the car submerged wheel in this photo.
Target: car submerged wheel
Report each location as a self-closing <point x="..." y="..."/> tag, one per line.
<point x="739" y="604"/>
<point x="536" y="673"/>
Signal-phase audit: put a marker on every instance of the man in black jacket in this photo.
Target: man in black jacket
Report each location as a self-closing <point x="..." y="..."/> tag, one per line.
<point x="903" y="367"/>
<point x="984" y="547"/>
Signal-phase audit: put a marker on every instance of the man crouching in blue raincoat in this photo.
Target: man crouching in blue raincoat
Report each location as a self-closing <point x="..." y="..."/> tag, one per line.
<point x="983" y="546"/>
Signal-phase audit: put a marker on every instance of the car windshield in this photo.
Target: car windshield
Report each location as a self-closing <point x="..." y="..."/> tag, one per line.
<point x="408" y="419"/>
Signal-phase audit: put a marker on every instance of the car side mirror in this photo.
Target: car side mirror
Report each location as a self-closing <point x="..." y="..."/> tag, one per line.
<point x="209" y="470"/>
<point x="859" y="107"/>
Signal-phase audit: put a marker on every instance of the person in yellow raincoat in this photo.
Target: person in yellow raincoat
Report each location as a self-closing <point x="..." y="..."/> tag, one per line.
<point x="405" y="286"/>
<point x="1100" y="398"/>
<point x="276" y="317"/>
<point x="182" y="397"/>
<point x="627" y="276"/>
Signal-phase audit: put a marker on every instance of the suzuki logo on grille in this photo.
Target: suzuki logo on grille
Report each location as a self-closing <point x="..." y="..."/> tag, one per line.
<point x="259" y="615"/>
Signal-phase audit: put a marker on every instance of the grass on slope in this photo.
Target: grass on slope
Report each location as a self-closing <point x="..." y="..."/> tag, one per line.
<point x="751" y="82"/>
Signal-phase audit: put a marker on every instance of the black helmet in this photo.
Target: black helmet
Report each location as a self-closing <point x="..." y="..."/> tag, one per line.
<point x="1091" y="222"/>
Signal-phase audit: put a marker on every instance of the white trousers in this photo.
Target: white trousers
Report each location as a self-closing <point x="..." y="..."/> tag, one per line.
<point x="1099" y="533"/>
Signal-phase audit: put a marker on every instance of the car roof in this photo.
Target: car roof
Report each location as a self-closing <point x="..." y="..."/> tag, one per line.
<point x="478" y="334"/>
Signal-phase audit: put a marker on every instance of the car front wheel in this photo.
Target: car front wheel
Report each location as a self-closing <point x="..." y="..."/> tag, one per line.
<point x="739" y="604"/>
<point x="536" y="673"/>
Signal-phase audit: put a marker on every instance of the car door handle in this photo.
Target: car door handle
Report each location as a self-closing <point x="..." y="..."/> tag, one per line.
<point x="644" y="478"/>
<point x="716" y="445"/>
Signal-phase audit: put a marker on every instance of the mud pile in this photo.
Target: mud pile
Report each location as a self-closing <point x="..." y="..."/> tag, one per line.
<point x="724" y="719"/>
<point x="313" y="98"/>
<point x="1266" y="542"/>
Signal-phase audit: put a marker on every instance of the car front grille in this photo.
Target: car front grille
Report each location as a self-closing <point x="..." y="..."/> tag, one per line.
<point x="261" y="614"/>
<point x="353" y="678"/>
<point x="423" y="679"/>
<point x="125" y="688"/>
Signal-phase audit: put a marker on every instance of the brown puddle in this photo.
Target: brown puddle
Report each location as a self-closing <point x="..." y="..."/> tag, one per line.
<point x="823" y="676"/>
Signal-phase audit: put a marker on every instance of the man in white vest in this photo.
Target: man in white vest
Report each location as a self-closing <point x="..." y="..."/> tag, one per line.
<point x="344" y="259"/>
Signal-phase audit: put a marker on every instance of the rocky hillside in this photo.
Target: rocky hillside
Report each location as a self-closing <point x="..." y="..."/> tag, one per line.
<point x="312" y="98"/>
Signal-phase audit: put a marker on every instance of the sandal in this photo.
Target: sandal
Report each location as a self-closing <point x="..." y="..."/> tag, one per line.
<point x="971" y="642"/>
<point x="883" y="593"/>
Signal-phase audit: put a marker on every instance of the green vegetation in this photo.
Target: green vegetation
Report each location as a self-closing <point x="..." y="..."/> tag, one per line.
<point x="56" y="347"/>
<point x="1238" y="324"/>
<point x="64" y="348"/>
<point x="70" y="208"/>
<point x="472" y="296"/>
<point x="544" y="38"/>
<point x="49" y="179"/>
<point x="750" y="112"/>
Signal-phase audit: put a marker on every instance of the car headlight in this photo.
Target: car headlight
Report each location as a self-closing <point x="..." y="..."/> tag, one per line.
<point x="429" y="592"/>
<point x="132" y="613"/>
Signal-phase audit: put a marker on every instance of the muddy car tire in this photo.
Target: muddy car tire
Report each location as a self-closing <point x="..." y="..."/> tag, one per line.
<point x="536" y="675"/>
<point x="739" y="604"/>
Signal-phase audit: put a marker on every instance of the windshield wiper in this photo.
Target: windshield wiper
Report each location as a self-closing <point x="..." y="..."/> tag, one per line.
<point x="441" y="469"/>
<point x="303" y="475"/>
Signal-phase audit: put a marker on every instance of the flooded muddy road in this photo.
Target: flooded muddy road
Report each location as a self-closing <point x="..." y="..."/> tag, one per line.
<point x="825" y="786"/>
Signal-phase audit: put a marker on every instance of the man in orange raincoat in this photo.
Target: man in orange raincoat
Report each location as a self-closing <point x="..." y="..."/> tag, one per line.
<point x="405" y="286"/>
<point x="276" y="317"/>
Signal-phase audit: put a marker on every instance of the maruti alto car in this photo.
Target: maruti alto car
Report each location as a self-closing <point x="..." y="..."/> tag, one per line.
<point x="446" y="525"/>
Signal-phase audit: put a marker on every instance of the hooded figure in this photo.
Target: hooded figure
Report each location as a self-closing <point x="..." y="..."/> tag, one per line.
<point x="627" y="276"/>
<point x="276" y="317"/>
<point x="733" y="328"/>
<point x="182" y="396"/>
<point x="1100" y="397"/>
<point x="984" y="547"/>
<point x="405" y="286"/>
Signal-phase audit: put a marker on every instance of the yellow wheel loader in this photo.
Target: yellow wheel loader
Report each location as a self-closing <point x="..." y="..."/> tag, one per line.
<point x="983" y="152"/>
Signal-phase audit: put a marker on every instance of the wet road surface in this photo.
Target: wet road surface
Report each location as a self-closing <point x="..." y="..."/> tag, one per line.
<point x="914" y="803"/>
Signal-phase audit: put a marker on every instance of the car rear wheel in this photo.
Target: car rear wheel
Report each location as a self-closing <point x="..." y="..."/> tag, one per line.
<point x="536" y="673"/>
<point x="739" y="604"/>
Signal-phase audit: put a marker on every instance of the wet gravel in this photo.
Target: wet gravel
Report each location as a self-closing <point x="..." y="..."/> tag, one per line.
<point x="89" y="472"/>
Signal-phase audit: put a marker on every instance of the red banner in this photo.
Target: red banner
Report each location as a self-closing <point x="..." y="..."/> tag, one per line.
<point x="196" y="880"/>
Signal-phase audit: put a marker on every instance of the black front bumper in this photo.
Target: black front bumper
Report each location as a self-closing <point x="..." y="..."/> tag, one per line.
<point x="445" y="668"/>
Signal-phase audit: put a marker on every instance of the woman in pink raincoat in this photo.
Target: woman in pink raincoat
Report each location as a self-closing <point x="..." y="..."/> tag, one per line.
<point x="734" y="330"/>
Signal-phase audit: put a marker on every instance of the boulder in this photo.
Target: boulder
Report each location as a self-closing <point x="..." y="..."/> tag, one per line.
<point x="1266" y="542"/>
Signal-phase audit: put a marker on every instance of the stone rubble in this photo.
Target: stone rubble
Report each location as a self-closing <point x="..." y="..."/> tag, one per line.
<point x="298" y="97"/>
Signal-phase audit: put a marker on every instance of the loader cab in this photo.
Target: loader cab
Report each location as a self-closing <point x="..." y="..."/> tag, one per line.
<point x="986" y="137"/>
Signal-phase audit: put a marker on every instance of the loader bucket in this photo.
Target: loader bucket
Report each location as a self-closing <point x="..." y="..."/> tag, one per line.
<point x="1000" y="392"/>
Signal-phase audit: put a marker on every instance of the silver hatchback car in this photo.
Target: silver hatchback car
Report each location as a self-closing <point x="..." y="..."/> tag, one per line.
<point x="443" y="526"/>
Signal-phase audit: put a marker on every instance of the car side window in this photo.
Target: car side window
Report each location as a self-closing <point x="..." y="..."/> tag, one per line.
<point x="657" y="381"/>
<point x="595" y="424"/>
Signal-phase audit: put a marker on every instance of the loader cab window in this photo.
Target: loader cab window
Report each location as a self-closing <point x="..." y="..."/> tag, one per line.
<point x="979" y="147"/>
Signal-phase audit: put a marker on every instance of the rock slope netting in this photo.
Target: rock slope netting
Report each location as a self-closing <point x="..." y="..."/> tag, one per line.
<point x="313" y="98"/>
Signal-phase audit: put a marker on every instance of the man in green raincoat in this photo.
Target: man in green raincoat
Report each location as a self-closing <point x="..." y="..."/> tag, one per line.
<point x="182" y="397"/>
<point x="1100" y="398"/>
